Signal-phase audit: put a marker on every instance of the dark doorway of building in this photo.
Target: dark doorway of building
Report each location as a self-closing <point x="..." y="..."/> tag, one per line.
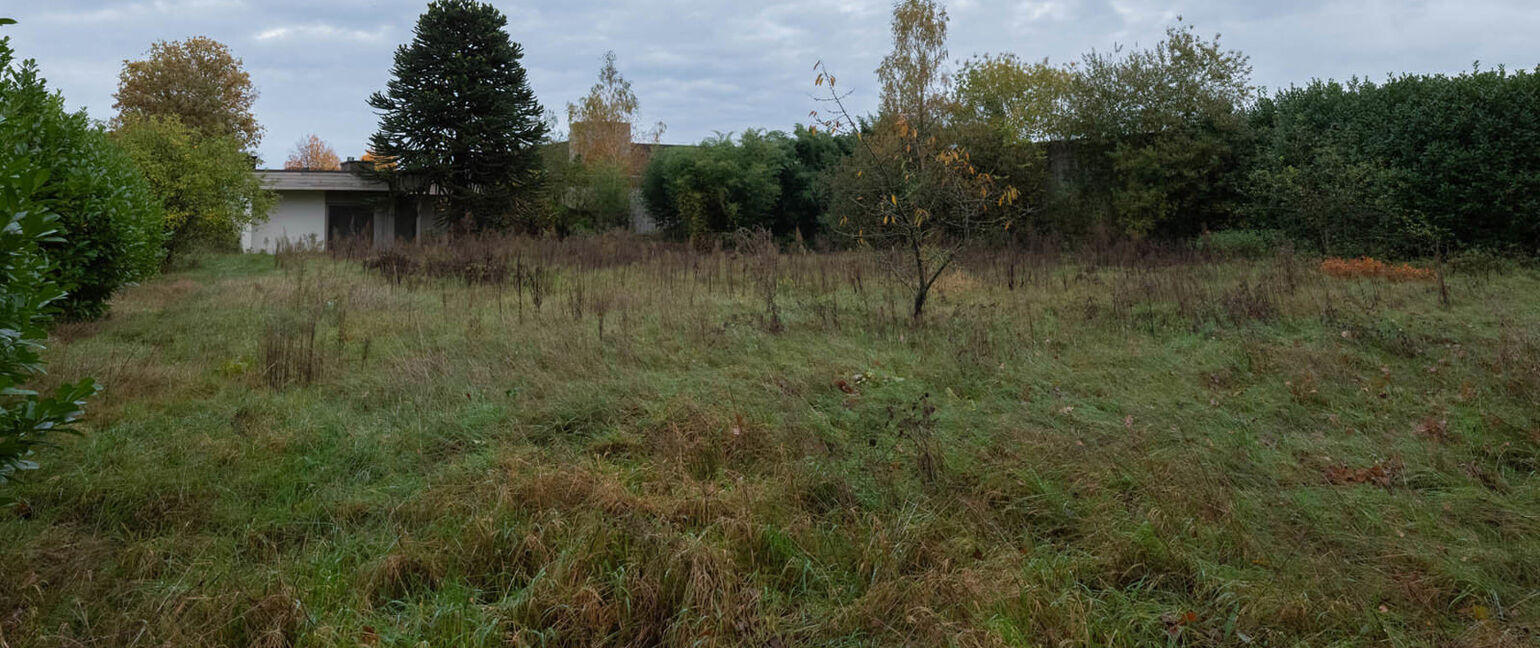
<point x="349" y="223"/>
<point x="406" y="220"/>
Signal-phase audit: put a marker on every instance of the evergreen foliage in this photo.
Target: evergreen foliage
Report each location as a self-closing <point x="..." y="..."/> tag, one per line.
<point x="108" y="221"/>
<point x="459" y="118"/>
<point x="1405" y="166"/>
<point x="29" y="291"/>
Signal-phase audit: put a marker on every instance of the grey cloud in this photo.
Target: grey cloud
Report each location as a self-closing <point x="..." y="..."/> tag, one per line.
<point x="704" y="66"/>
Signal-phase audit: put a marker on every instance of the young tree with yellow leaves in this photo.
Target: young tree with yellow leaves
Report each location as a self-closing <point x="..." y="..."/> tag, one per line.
<point x="606" y="121"/>
<point x="907" y="190"/>
<point x="313" y="154"/>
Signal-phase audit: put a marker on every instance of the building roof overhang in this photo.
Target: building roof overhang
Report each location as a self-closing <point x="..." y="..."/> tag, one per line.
<point x="285" y="180"/>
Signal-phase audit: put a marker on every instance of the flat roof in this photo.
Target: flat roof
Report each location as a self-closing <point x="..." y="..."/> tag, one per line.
<point x="285" y="180"/>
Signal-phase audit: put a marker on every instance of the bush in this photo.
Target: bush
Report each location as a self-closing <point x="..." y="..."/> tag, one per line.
<point x="720" y="186"/>
<point x="1481" y="262"/>
<point x="29" y="292"/>
<point x="204" y="184"/>
<point x="586" y="197"/>
<point x="770" y="181"/>
<point x="107" y="216"/>
<point x="1368" y="267"/>
<point x="1161" y="136"/>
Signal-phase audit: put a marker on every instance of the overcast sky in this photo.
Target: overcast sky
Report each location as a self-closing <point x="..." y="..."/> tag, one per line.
<point x="703" y="66"/>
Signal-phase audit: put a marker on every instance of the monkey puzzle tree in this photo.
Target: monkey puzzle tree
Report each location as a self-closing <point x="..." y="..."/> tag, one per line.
<point x="459" y="116"/>
<point x="907" y="189"/>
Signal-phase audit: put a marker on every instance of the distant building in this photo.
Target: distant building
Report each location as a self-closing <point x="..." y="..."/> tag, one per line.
<point x="319" y="209"/>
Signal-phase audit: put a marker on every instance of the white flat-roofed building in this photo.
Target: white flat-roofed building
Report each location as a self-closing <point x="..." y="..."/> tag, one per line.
<point x="319" y="209"/>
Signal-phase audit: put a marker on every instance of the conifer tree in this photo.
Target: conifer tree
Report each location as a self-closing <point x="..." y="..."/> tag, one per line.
<point x="459" y="118"/>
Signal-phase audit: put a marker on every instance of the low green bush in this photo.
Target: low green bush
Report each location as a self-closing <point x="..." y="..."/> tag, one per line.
<point x="1242" y="243"/>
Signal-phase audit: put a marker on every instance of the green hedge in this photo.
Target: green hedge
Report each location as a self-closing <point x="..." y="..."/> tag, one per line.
<point x="1405" y="166"/>
<point x="762" y="180"/>
<point x="109" y="220"/>
<point x="29" y="291"/>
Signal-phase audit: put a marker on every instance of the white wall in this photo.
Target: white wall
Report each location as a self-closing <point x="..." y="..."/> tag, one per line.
<point x="299" y="217"/>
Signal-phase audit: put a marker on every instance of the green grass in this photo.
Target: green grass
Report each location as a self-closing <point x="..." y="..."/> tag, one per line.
<point x="1116" y="457"/>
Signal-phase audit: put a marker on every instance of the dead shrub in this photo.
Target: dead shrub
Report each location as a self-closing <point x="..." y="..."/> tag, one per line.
<point x="287" y="352"/>
<point x="1367" y="267"/>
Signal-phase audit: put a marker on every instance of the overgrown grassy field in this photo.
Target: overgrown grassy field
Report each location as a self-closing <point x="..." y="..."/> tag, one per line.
<point x="624" y="443"/>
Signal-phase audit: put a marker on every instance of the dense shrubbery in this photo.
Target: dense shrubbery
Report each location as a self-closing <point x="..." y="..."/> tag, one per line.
<point x="586" y="197"/>
<point x="205" y="183"/>
<point x="29" y="289"/>
<point x="108" y="221"/>
<point x="1403" y="166"/>
<point x="772" y="181"/>
<point x="1173" y="141"/>
<point x="1241" y="243"/>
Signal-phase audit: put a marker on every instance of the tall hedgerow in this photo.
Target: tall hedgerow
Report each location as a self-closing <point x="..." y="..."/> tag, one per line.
<point x="29" y="289"/>
<point x="1423" y="161"/>
<point x="108" y="219"/>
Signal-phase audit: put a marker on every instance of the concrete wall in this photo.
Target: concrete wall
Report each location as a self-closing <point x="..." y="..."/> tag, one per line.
<point x="642" y="221"/>
<point x="299" y="218"/>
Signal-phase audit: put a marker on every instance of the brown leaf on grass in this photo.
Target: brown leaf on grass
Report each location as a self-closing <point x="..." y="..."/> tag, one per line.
<point x="368" y="636"/>
<point x="844" y="386"/>
<point x="1174" y="622"/>
<point x="1434" y="428"/>
<point x="1379" y="474"/>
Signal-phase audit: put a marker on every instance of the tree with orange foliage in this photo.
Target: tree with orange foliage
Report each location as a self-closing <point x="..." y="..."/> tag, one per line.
<point x="313" y="154"/>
